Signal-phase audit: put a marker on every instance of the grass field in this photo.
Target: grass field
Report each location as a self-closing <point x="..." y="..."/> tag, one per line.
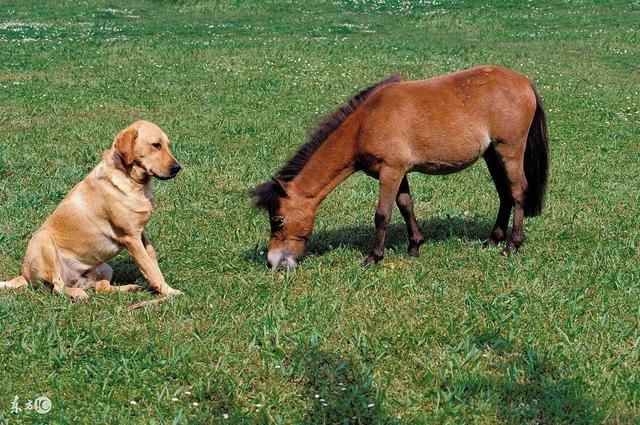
<point x="460" y="335"/>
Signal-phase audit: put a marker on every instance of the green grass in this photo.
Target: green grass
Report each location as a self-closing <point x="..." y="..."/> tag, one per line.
<point x="460" y="335"/>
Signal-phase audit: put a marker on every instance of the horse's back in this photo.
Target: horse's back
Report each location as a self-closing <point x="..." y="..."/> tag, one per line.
<point x="443" y="124"/>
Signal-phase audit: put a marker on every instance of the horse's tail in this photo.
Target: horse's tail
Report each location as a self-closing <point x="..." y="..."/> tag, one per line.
<point x="536" y="161"/>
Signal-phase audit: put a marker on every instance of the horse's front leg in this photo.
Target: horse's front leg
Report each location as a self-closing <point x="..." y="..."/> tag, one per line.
<point x="390" y="179"/>
<point x="405" y="205"/>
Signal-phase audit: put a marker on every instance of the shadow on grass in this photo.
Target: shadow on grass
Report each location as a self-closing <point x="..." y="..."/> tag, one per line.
<point x="361" y="237"/>
<point x="124" y="270"/>
<point x="434" y="230"/>
<point x="341" y="390"/>
<point x="531" y="390"/>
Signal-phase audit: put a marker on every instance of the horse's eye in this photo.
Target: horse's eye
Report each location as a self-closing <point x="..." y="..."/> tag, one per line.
<point x="276" y="223"/>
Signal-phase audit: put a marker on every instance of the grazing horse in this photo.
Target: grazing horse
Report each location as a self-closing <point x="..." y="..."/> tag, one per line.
<point x="440" y="125"/>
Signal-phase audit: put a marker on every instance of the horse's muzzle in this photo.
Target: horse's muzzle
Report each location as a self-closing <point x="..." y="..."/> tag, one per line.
<point x="280" y="259"/>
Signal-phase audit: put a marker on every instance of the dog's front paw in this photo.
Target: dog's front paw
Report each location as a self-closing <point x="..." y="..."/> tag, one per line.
<point x="170" y="292"/>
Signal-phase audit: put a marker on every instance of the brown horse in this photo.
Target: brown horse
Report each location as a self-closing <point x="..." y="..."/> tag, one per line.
<point x="439" y="125"/>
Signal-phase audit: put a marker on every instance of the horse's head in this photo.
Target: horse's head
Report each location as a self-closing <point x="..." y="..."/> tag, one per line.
<point x="291" y="220"/>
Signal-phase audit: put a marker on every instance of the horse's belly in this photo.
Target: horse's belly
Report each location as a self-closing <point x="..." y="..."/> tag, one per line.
<point x="448" y="155"/>
<point x="442" y="167"/>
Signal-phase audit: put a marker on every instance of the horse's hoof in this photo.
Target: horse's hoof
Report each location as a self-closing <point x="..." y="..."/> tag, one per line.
<point x="510" y="249"/>
<point x="489" y="243"/>
<point x="414" y="251"/>
<point x="492" y="241"/>
<point x="371" y="259"/>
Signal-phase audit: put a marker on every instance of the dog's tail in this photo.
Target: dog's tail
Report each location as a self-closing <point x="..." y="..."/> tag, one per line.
<point x="18" y="282"/>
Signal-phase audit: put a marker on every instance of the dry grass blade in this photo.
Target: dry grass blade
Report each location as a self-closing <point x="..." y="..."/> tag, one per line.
<point x="142" y="304"/>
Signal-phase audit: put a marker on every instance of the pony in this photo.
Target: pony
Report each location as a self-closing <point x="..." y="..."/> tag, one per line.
<point x="439" y="125"/>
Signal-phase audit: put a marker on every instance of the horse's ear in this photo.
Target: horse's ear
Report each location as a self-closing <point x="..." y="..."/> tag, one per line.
<point x="124" y="145"/>
<point x="279" y="186"/>
<point x="267" y="195"/>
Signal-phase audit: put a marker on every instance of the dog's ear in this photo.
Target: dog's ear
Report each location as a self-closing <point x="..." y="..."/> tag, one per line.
<point x="124" y="145"/>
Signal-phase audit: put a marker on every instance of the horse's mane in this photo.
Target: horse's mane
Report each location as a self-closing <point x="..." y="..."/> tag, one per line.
<point x="267" y="195"/>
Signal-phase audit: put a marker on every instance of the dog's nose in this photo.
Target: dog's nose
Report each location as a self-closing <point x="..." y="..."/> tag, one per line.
<point x="175" y="168"/>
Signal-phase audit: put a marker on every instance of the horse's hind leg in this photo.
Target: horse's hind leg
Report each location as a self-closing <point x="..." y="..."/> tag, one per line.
<point x="405" y="204"/>
<point x="513" y="165"/>
<point x="390" y="179"/>
<point x="498" y="174"/>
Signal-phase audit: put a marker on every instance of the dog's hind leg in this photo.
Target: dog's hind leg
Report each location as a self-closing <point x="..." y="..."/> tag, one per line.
<point x="18" y="282"/>
<point x="43" y="264"/>
<point x="59" y="287"/>
<point x="102" y="281"/>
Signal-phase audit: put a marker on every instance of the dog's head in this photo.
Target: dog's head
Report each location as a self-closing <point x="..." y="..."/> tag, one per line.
<point x="143" y="150"/>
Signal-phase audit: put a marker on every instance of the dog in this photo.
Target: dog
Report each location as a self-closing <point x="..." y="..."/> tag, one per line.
<point x="100" y="216"/>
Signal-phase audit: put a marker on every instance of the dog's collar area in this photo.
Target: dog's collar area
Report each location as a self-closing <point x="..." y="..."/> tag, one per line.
<point x="136" y="171"/>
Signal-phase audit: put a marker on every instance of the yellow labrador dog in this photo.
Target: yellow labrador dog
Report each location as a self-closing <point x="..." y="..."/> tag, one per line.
<point x="100" y="216"/>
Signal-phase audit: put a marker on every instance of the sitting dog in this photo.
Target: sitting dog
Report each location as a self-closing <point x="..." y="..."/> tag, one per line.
<point x="100" y="216"/>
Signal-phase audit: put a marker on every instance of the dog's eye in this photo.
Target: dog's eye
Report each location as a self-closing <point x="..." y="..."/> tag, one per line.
<point x="157" y="145"/>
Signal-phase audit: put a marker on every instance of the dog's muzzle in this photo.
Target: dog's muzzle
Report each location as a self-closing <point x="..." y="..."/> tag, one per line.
<point x="174" y="169"/>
